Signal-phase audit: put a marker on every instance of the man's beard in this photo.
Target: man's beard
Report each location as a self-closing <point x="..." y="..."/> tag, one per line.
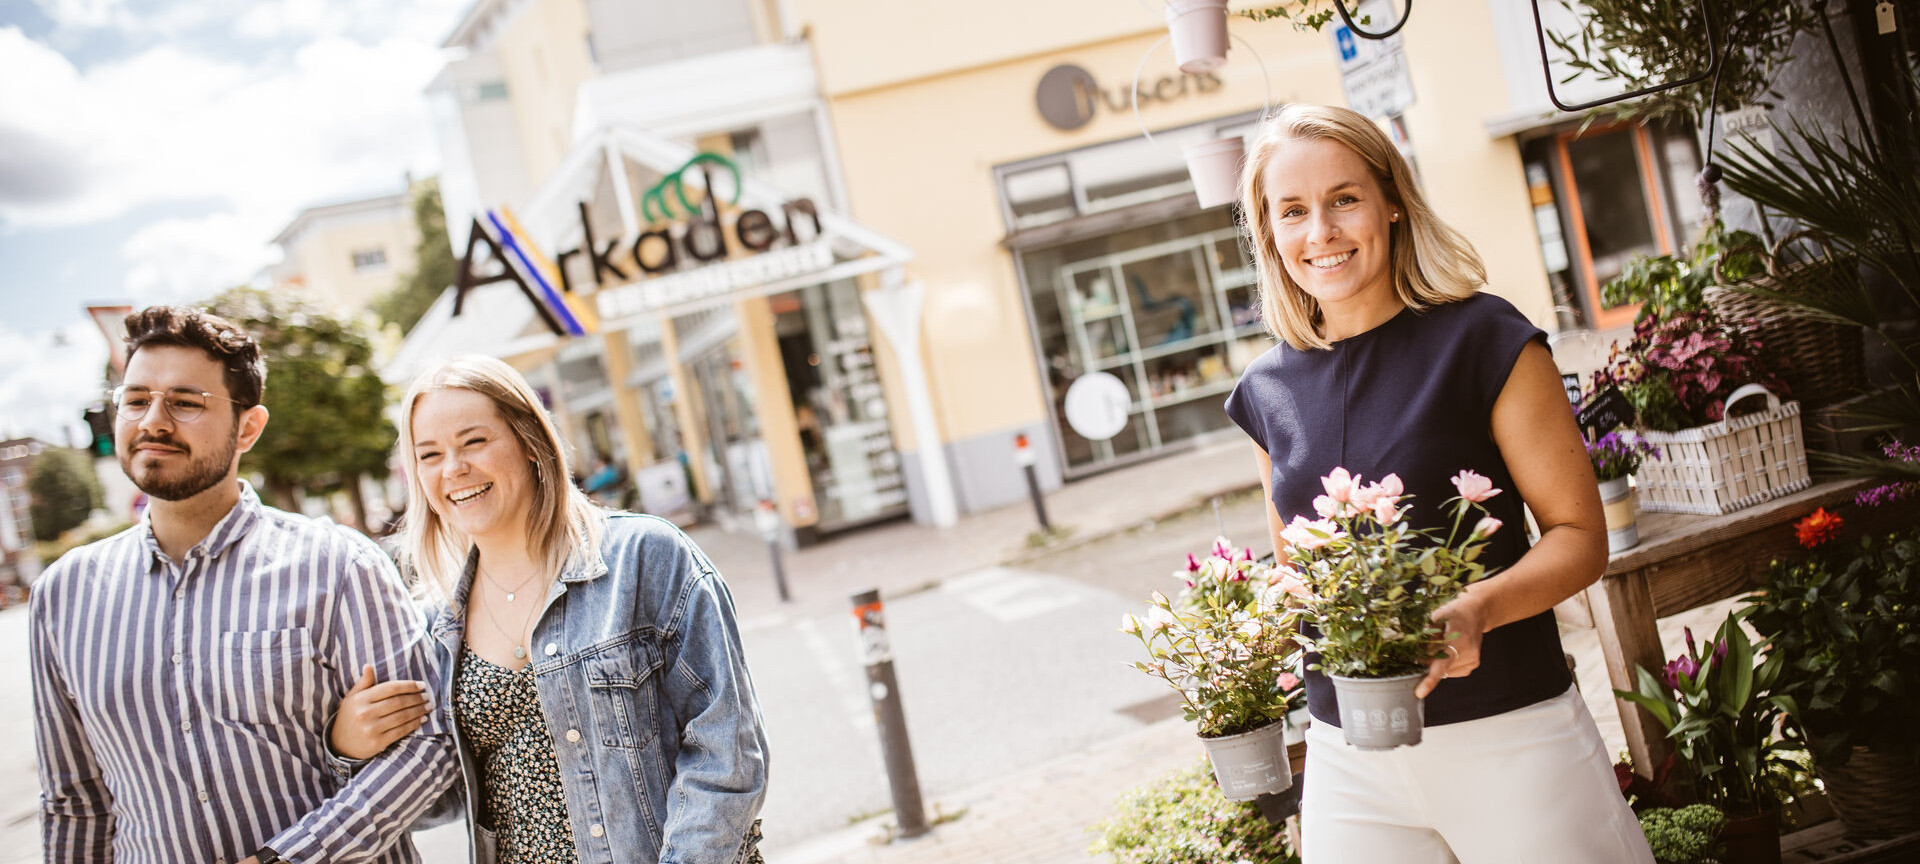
<point x="199" y="475"/>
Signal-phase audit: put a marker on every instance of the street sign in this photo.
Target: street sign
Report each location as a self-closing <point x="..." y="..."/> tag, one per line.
<point x="1097" y="406"/>
<point x="1373" y="72"/>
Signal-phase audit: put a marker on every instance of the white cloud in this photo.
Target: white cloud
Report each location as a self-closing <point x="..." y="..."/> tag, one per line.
<point x="47" y="379"/>
<point x="188" y="260"/>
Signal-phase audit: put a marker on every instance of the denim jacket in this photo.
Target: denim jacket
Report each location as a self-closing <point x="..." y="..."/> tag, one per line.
<point x="639" y="668"/>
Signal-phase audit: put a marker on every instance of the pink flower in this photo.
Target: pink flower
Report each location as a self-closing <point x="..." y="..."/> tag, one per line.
<point x="1221" y="549"/>
<point x="1288" y="680"/>
<point x="1340" y="484"/>
<point x="1486" y="526"/>
<point x="1326" y="507"/>
<point x="1294" y="585"/>
<point x="1385" y="511"/>
<point x="1391" y="485"/>
<point x="1308" y="535"/>
<point x="1679" y="668"/>
<point x="1474" y="487"/>
<point x="1366" y="497"/>
<point x="1129" y="624"/>
<point x="1246" y="554"/>
<point x="1193" y="564"/>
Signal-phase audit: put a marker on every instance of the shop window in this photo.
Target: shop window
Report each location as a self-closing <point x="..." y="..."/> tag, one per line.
<point x="1132" y="170"/>
<point x="839" y="405"/>
<point x="366" y="260"/>
<point x="1171" y="310"/>
<point x="1611" y="184"/>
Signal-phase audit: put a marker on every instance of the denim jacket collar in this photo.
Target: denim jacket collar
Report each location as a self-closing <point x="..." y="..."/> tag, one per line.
<point x="450" y="624"/>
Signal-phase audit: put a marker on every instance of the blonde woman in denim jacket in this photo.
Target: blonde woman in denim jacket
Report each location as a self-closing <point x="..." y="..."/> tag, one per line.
<point x="590" y="661"/>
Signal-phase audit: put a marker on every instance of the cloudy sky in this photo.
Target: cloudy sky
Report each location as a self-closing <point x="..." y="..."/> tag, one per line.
<point x="151" y="149"/>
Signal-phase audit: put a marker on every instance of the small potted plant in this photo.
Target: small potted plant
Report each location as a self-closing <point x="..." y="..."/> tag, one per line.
<point x="1728" y="722"/>
<point x="1198" y="29"/>
<point x="1615" y="458"/>
<point x="1684" y="835"/>
<point x="1224" y="646"/>
<point x="1181" y="818"/>
<point x="1847" y="618"/>
<point x="1369" y="584"/>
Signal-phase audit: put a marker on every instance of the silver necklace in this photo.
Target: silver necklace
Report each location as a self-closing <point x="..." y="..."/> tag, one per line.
<point x="518" y="639"/>
<point x="509" y="592"/>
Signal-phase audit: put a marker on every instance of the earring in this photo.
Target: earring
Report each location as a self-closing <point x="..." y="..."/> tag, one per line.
<point x="1396" y="217"/>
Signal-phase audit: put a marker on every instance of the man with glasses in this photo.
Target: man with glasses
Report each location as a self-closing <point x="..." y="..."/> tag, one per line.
<point x="185" y="670"/>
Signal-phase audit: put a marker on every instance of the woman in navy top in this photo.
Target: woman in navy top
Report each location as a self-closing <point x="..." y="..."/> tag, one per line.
<point x="1392" y="362"/>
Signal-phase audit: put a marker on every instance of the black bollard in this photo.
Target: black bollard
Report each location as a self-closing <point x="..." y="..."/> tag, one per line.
<point x="1024" y="456"/>
<point x="876" y="652"/>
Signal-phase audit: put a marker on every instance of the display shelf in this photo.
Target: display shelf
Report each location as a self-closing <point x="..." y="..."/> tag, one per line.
<point x="1158" y="351"/>
<point x="1191" y="393"/>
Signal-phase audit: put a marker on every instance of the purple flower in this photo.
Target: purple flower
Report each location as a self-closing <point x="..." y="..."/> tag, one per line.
<point x="1682" y="667"/>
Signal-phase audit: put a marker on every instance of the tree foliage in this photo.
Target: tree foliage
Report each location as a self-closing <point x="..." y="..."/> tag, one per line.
<point x="326" y="402"/>
<point x="434" y="267"/>
<point x="1642" y="43"/>
<point x="64" y="491"/>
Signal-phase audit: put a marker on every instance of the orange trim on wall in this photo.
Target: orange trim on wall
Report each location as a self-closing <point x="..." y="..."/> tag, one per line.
<point x="1650" y="180"/>
<point x="1619" y="316"/>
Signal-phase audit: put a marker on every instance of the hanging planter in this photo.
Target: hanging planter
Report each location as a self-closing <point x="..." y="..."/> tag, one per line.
<point x="1198" y="29"/>
<point x="1213" y="166"/>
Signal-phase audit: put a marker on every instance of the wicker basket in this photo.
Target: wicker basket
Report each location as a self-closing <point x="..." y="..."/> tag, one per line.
<point x="1875" y="794"/>
<point x="1820" y="362"/>
<point x="1725" y="466"/>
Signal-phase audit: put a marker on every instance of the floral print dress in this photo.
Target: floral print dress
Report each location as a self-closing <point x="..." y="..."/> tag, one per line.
<point x="523" y="802"/>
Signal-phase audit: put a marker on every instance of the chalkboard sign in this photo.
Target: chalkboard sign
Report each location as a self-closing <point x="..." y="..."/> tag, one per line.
<point x="1608" y="410"/>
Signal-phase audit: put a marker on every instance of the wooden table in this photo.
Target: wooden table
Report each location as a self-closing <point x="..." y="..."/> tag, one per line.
<point x="1684" y="562"/>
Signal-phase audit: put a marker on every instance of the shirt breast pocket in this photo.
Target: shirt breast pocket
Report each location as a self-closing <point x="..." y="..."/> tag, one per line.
<point x="622" y="685"/>
<point x="266" y="676"/>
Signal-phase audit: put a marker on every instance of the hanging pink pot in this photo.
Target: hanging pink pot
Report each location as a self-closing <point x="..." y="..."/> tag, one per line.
<point x="1215" y="169"/>
<point x="1199" y="31"/>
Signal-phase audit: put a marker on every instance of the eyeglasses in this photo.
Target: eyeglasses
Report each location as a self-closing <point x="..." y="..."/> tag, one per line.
<point x="183" y="405"/>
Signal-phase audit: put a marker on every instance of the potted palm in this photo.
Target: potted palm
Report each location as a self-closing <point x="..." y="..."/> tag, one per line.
<point x="1847" y="617"/>
<point x="1728" y="722"/>
<point x="1224" y="646"/>
<point x="1368" y="583"/>
<point x="1615" y="457"/>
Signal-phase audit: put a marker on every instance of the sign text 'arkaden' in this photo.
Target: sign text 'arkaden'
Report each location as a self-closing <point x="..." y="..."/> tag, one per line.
<point x="678" y="255"/>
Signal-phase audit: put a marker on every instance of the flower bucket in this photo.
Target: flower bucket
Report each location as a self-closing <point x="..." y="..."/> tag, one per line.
<point x="1251" y="764"/>
<point x="1617" y="498"/>
<point x="1752" y="839"/>
<point x="1875" y="793"/>
<point x="1199" y="32"/>
<point x="1215" y="169"/>
<point x="1726" y="466"/>
<point x="1380" y="713"/>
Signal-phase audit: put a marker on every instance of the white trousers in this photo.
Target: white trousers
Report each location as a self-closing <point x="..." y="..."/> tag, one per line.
<point x="1531" y="785"/>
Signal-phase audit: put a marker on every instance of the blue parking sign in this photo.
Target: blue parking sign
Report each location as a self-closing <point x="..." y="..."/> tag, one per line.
<point x="1348" y="48"/>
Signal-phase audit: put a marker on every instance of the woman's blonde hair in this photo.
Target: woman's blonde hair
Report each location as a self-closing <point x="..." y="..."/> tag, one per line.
<point x="1432" y="263"/>
<point x="561" y="520"/>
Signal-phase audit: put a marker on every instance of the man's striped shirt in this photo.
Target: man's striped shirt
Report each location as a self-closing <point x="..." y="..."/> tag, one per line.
<point x="182" y="708"/>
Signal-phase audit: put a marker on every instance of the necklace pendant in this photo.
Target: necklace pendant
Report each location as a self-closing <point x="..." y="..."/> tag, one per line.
<point x="509" y="596"/>
<point x="519" y="652"/>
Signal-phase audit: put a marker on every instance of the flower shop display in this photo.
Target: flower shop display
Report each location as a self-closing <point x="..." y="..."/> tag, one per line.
<point x="1685" y="835"/>
<point x="1615" y="458"/>
<point x="1181" y="818"/>
<point x="1729" y="724"/>
<point x="1369" y="584"/>
<point x="1847" y="617"/>
<point x="1225" y="646"/>
<point x="1682" y="374"/>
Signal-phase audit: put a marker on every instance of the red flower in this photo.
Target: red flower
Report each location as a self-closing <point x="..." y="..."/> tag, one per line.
<point x="1819" y="527"/>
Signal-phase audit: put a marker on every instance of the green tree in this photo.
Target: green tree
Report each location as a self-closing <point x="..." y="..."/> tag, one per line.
<point x="63" y="490"/>
<point x="328" y="425"/>
<point x="434" y="267"/>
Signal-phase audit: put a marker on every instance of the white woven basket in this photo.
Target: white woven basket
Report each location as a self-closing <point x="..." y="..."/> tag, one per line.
<point x="1725" y="466"/>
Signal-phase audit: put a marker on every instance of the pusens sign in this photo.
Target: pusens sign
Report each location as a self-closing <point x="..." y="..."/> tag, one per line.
<point x="685" y="254"/>
<point x="1068" y="96"/>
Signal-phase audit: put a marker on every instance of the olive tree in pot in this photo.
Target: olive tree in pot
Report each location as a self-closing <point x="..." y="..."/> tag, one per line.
<point x="1224" y="646"/>
<point x="1368" y="584"/>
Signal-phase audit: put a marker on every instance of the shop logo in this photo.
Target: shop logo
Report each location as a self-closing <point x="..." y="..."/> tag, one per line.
<point x="1068" y="96"/>
<point x="689" y="235"/>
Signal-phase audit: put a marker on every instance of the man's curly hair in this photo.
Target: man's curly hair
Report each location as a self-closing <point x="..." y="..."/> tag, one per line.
<point x="223" y="340"/>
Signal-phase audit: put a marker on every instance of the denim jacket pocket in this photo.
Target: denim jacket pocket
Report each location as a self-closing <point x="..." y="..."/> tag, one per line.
<point x="622" y="687"/>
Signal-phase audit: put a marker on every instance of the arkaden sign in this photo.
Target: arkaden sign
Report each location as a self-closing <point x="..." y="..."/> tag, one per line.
<point x="686" y="254"/>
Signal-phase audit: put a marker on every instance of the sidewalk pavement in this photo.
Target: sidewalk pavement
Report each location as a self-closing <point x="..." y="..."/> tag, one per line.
<point x="1040" y="815"/>
<point x="903" y="557"/>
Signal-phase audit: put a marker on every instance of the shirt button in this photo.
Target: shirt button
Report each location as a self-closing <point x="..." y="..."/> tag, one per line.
<point x="180" y="595"/>
<point x="573" y="736"/>
<point x="202" y="795"/>
<point x="186" y="726"/>
<point x="552" y="649"/>
<point x="597" y="831"/>
<point x="176" y="659"/>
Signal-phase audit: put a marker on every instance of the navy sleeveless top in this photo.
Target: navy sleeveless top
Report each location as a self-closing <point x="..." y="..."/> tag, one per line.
<point x="1414" y="397"/>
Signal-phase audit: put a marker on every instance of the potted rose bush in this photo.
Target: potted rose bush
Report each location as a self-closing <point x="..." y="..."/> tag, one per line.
<point x="1224" y="646"/>
<point x="1369" y="584"/>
